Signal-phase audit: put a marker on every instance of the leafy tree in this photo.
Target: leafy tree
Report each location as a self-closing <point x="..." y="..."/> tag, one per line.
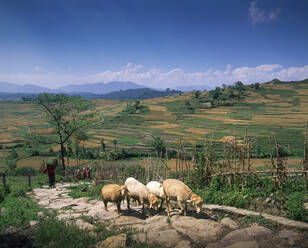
<point x="13" y="155"/>
<point x="158" y="145"/>
<point x="115" y="142"/>
<point x="11" y="159"/>
<point x="239" y="86"/>
<point x="257" y="86"/>
<point x="103" y="144"/>
<point x="197" y="94"/>
<point x="67" y="115"/>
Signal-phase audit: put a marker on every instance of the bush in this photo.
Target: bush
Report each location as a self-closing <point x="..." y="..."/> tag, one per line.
<point x="54" y="233"/>
<point x="295" y="206"/>
<point x="4" y="191"/>
<point x="24" y="171"/>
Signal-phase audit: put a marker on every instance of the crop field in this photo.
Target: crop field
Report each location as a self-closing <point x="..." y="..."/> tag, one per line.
<point x="282" y="109"/>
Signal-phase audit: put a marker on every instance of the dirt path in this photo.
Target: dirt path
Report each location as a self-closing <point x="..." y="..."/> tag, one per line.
<point x="203" y="230"/>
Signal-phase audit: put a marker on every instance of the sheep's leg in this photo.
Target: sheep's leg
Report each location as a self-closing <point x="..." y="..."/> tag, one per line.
<point x="185" y="211"/>
<point x="161" y="205"/>
<point x="105" y="203"/>
<point x="168" y="206"/>
<point x="181" y="208"/>
<point x="142" y="203"/>
<point x="119" y="207"/>
<point x="128" y="199"/>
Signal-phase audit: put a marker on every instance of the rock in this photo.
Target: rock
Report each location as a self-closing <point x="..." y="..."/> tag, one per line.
<point x="2" y="210"/>
<point x="244" y="244"/>
<point x="82" y="199"/>
<point x="183" y="244"/>
<point x="68" y="216"/>
<point x="32" y="222"/>
<point x="267" y="200"/>
<point x="139" y="237"/>
<point x="41" y="214"/>
<point x="229" y="223"/>
<point x="82" y="206"/>
<point x="290" y="236"/>
<point x="248" y="236"/>
<point x="199" y="230"/>
<point x="167" y="238"/>
<point x="93" y="201"/>
<point x="113" y="242"/>
<point x="83" y="224"/>
<point x="306" y="205"/>
<point x="44" y="202"/>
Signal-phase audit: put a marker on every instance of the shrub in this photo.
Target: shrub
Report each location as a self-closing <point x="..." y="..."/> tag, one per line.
<point x="295" y="206"/>
<point x="24" y="171"/>
<point x="54" y="233"/>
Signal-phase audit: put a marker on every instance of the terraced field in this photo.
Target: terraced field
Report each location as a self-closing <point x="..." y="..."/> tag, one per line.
<point x="276" y="108"/>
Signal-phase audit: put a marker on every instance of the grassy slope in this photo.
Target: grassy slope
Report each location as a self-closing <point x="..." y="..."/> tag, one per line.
<point x="280" y="108"/>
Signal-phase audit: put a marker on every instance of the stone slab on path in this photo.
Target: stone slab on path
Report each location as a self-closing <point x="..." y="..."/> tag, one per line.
<point x="280" y="220"/>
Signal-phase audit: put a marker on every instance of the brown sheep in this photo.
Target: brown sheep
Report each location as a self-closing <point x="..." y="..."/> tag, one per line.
<point x="178" y="191"/>
<point x="114" y="193"/>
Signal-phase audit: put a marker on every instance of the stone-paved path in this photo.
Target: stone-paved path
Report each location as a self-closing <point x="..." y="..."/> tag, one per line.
<point x="279" y="220"/>
<point x="181" y="231"/>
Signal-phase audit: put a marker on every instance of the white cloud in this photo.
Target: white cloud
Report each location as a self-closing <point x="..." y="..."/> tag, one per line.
<point x="260" y="15"/>
<point x="163" y="79"/>
<point x="38" y="68"/>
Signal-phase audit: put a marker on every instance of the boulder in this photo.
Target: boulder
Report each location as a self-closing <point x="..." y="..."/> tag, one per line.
<point x="139" y="237"/>
<point x="255" y="235"/>
<point x="199" y="230"/>
<point x="167" y="238"/>
<point x="228" y="222"/>
<point x="183" y="244"/>
<point x="244" y="244"/>
<point x="83" y="224"/>
<point x="113" y="242"/>
<point x="290" y="236"/>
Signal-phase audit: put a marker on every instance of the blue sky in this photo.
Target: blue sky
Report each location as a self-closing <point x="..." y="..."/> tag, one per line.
<point x="155" y="43"/>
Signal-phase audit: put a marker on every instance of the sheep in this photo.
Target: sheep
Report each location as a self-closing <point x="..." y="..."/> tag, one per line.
<point x="177" y="190"/>
<point x="114" y="193"/>
<point x="140" y="193"/>
<point x="157" y="189"/>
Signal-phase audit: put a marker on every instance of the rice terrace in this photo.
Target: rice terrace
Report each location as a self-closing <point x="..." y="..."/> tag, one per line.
<point x="153" y="124"/>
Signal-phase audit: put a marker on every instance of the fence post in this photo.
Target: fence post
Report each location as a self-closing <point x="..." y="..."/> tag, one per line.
<point x="3" y="179"/>
<point x="29" y="178"/>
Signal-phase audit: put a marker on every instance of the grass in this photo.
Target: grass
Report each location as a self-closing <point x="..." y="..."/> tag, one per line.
<point x="18" y="208"/>
<point x="85" y="190"/>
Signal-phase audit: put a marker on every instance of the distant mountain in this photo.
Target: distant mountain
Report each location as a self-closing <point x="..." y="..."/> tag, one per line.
<point x="25" y="88"/>
<point x="96" y="88"/>
<point x="143" y="93"/>
<point x="193" y="87"/>
<point x="277" y="81"/>
<point x="99" y="88"/>
<point x="138" y="94"/>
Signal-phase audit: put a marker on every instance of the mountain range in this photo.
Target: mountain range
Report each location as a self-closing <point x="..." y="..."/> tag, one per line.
<point x="94" y="88"/>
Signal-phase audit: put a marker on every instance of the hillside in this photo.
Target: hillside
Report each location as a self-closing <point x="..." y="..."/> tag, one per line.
<point x="280" y="107"/>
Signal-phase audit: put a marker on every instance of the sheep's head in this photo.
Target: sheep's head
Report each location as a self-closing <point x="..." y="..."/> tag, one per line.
<point x="153" y="200"/>
<point x="196" y="201"/>
<point x="123" y="190"/>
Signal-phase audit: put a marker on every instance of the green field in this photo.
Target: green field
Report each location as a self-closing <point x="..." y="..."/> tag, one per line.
<point x="281" y="108"/>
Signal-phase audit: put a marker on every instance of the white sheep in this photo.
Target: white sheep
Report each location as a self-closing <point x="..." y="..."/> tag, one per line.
<point x="140" y="193"/>
<point x="157" y="189"/>
<point x="114" y="193"/>
<point x="178" y="191"/>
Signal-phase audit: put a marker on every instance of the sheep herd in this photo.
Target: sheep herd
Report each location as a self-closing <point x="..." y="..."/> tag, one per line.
<point x="170" y="189"/>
